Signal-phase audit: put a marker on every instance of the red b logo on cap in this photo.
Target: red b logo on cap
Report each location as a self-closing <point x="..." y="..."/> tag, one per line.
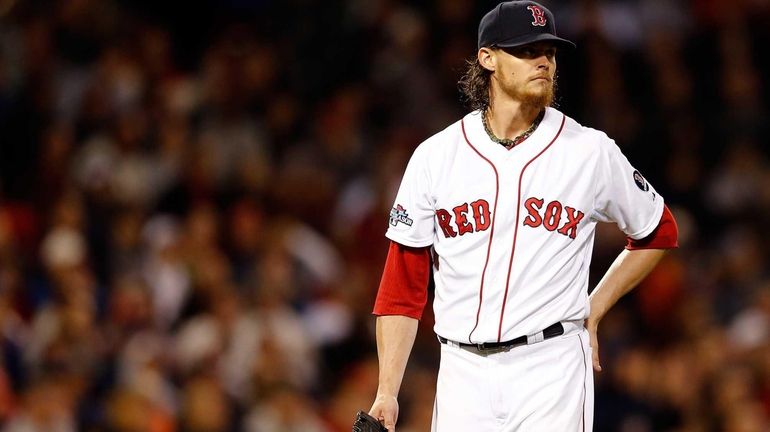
<point x="537" y="15"/>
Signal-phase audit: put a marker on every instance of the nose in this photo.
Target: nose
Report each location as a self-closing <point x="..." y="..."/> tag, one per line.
<point x="544" y="62"/>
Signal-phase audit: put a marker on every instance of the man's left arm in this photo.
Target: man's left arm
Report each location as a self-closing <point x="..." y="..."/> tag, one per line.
<point x="629" y="268"/>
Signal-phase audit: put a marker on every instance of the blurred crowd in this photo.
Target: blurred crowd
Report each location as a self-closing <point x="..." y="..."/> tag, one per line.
<point x="193" y="200"/>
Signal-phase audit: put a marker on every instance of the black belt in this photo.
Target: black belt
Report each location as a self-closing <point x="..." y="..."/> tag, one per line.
<point x="549" y="332"/>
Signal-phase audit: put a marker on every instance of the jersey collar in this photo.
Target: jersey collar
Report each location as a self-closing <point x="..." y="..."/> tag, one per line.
<point x="478" y="138"/>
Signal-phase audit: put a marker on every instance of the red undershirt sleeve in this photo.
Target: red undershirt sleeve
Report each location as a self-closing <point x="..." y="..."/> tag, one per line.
<point x="665" y="236"/>
<point x="404" y="285"/>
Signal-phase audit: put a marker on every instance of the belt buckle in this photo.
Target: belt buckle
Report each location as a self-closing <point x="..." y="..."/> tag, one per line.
<point x="485" y="349"/>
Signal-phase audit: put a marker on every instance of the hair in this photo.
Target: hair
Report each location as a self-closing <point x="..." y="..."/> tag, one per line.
<point x="474" y="85"/>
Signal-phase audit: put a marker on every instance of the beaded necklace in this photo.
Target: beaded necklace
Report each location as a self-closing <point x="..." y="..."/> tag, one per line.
<point x="510" y="143"/>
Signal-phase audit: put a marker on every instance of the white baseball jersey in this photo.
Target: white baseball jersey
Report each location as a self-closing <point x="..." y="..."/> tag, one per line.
<point x="513" y="230"/>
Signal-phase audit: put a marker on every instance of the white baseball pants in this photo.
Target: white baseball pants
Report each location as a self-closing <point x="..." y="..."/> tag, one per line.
<point x="543" y="387"/>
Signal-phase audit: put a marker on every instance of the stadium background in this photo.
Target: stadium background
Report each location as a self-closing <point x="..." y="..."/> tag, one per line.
<point x="193" y="197"/>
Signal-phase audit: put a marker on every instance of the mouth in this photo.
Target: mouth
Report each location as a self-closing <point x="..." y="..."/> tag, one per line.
<point x="542" y="78"/>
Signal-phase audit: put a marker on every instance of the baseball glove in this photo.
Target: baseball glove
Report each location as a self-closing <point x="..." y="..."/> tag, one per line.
<point x="366" y="423"/>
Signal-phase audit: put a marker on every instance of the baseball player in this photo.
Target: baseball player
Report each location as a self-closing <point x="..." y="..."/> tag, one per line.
<point x="503" y="205"/>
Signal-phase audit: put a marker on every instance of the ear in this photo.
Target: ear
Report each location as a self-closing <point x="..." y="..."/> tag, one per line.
<point x="487" y="59"/>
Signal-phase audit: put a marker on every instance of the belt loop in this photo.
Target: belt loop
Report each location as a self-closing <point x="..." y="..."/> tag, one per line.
<point x="535" y="338"/>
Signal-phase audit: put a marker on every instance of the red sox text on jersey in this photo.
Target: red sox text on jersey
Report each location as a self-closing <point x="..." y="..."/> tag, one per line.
<point x="457" y="221"/>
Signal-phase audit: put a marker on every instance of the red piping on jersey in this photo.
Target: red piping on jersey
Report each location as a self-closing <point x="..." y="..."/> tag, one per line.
<point x="585" y="377"/>
<point x="491" y="230"/>
<point x="516" y="229"/>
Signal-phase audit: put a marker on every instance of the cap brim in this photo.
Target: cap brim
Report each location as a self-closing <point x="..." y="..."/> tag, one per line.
<point x="543" y="37"/>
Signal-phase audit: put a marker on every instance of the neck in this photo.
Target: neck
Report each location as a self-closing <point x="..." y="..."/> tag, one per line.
<point x="509" y="118"/>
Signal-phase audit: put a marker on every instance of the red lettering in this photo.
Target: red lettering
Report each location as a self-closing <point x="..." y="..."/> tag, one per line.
<point x="574" y="217"/>
<point x="538" y="15"/>
<point x="461" y="219"/>
<point x="444" y="221"/>
<point x="552" y="215"/>
<point x="533" y="206"/>
<point x="481" y="214"/>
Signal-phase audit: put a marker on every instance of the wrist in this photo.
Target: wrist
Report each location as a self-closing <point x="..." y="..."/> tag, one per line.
<point x="596" y="312"/>
<point x="592" y="322"/>
<point x="383" y="395"/>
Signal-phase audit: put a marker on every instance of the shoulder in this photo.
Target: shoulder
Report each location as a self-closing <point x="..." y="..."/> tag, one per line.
<point x="574" y="130"/>
<point x="583" y="136"/>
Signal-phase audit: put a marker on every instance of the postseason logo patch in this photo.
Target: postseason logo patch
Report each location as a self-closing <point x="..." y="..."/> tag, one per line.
<point x="398" y="214"/>
<point x="641" y="183"/>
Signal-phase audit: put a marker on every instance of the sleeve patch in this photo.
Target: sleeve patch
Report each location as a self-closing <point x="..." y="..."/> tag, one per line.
<point x="399" y="214"/>
<point x="641" y="183"/>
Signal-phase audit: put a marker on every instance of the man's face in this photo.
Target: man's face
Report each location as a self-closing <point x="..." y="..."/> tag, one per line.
<point x="526" y="73"/>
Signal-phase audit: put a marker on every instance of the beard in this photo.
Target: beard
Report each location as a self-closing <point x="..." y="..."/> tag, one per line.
<point x="537" y="95"/>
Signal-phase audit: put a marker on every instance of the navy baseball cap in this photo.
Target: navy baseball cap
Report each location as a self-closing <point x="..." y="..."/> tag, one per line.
<point x="514" y="23"/>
